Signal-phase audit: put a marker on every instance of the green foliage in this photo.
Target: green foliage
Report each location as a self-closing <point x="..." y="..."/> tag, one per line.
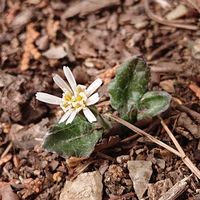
<point x="75" y="139"/>
<point x="129" y="95"/>
<point x="129" y="85"/>
<point x="153" y="103"/>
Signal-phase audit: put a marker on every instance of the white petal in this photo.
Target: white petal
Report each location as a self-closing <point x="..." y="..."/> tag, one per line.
<point x="71" y="118"/>
<point x="70" y="78"/>
<point x="61" y="83"/>
<point x="89" y="115"/>
<point x="65" y="109"/>
<point x="48" y="98"/>
<point x="65" y="116"/>
<point x="93" y="99"/>
<point x="94" y="86"/>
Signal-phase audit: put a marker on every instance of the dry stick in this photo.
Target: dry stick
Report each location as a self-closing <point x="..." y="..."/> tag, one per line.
<point x="86" y="7"/>
<point x="193" y="114"/>
<point x="81" y="168"/>
<point x="194" y="5"/>
<point x="172" y="137"/>
<point x="181" y="154"/>
<point x="133" y="137"/>
<point x="161" y="48"/>
<point x="166" y="68"/>
<point x="6" y="150"/>
<point x="174" y="192"/>
<point x="185" y="159"/>
<point x="166" y="22"/>
<point x="141" y="132"/>
<point x="7" y="173"/>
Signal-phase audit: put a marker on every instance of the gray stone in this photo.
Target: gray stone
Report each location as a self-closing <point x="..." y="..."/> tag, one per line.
<point x="87" y="186"/>
<point x="140" y="172"/>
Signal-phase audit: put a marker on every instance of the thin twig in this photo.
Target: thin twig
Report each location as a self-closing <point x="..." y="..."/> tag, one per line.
<point x="128" y="139"/>
<point x="161" y="48"/>
<point x="180" y="153"/>
<point x="104" y="156"/>
<point x="172" y="137"/>
<point x="184" y="158"/>
<point x="160" y="68"/>
<point x="193" y="114"/>
<point x="191" y="166"/>
<point x="80" y="168"/>
<point x="7" y="173"/>
<point x="6" y="150"/>
<point x="174" y="192"/>
<point x="141" y="132"/>
<point x="166" y="22"/>
<point x="191" y="2"/>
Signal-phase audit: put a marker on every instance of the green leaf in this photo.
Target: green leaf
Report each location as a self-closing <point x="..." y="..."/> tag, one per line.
<point x="75" y="139"/>
<point x="153" y="103"/>
<point x="128" y="86"/>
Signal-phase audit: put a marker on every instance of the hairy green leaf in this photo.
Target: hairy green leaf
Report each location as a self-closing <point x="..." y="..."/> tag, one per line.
<point x="128" y="86"/>
<point x="153" y="103"/>
<point x="75" y="139"/>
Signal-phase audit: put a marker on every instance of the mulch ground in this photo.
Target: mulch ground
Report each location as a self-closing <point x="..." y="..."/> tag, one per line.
<point x="38" y="37"/>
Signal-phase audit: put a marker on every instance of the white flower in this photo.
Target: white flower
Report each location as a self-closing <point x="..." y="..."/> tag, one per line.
<point x="74" y="98"/>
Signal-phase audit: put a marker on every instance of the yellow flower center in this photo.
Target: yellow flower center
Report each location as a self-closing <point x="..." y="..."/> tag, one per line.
<point x="75" y="100"/>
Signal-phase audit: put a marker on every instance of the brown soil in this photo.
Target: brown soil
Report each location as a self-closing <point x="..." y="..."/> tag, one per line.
<point x="93" y="38"/>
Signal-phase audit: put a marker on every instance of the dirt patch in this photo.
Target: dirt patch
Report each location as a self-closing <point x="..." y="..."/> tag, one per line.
<point x="38" y="37"/>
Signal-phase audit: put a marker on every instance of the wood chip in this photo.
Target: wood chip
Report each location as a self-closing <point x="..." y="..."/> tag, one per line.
<point x="55" y="53"/>
<point x="195" y="89"/>
<point x="195" y="49"/>
<point x="186" y="122"/>
<point x="22" y="18"/>
<point x="163" y="3"/>
<point x="178" y="12"/>
<point x="34" y="134"/>
<point x="176" y="190"/>
<point x="159" y="188"/>
<point x="85" y="7"/>
<point x="42" y="42"/>
<point x="5" y="159"/>
<point x="6" y="192"/>
<point x="168" y="85"/>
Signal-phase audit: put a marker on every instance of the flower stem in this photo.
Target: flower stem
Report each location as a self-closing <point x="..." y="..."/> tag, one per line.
<point x="101" y="120"/>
